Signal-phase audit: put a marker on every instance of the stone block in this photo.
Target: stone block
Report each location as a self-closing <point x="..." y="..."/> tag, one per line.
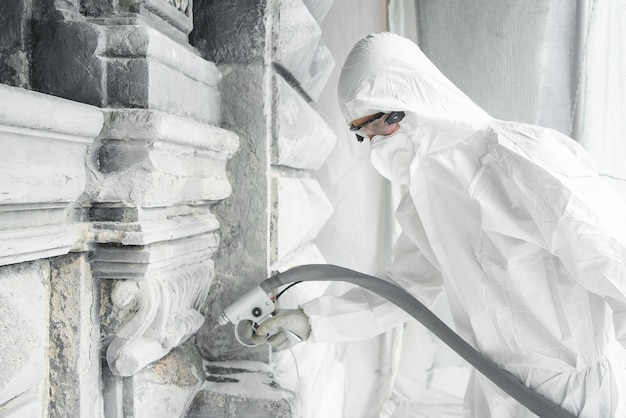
<point x="24" y="314"/>
<point x="65" y="61"/>
<point x="302" y="210"/>
<point x="234" y="34"/>
<point x="304" y="140"/>
<point x="163" y="389"/>
<point x="150" y="231"/>
<point x="241" y="389"/>
<point x="241" y="261"/>
<point x="298" y="37"/>
<point x="15" y="38"/>
<point x="74" y="339"/>
<point x="150" y="70"/>
<point x="139" y="262"/>
<point x="34" y="203"/>
<point x="154" y="159"/>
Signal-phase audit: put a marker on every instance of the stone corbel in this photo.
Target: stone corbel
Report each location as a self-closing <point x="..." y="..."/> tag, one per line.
<point x="166" y="312"/>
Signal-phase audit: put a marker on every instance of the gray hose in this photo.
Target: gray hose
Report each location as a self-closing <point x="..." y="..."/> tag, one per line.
<point x="404" y="300"/>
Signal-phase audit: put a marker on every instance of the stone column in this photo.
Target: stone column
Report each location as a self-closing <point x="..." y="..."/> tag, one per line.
<point x="273" y="65"/>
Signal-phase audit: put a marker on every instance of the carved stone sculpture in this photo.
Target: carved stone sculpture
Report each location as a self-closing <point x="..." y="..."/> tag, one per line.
<point x="166" y="312"/>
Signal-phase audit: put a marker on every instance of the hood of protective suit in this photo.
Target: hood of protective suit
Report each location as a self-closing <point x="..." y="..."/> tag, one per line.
<point x="385" y="72"/>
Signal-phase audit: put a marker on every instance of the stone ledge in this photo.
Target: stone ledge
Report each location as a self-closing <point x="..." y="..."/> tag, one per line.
<point x="17" y="246"/>
<point x="47" y="116"/>
<point x="149" y="232"/>
<point x="145" y="262"/>
<point x="151" y="125"/>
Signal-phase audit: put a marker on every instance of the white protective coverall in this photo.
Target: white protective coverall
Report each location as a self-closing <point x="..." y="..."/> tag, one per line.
<point x="513" y="222"/>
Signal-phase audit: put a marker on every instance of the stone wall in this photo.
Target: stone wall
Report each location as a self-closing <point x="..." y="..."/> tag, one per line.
<point x="273" y="65"/>
<point x="48" y="299"/>
<point x="143" y="187"/>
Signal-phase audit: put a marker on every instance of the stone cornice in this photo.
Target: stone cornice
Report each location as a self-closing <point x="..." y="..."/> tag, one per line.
<point x="44" y="140"/>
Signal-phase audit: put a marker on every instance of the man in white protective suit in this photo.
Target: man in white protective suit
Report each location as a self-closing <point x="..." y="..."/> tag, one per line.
<point x="511" y="220"/>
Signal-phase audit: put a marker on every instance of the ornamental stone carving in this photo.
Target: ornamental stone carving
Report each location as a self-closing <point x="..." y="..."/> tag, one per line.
<point x="166" y="312"/>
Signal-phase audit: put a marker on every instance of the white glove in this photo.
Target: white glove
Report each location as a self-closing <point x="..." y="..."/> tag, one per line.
<point x="285" y="329"/>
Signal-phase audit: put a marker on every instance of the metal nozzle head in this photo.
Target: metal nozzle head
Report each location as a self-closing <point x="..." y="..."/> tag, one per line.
<point x="223" y="319"/>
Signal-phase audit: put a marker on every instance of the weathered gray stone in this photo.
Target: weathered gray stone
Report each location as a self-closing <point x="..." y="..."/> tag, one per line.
<point x="304" y="139"/>
<point x="162" y="160"/>
<point x="241" y="389"/>
<point x="66" y="62"/>
<point x="99" y="7"/>
<point x="24" y="290"/>
<point x="164" y="389"/>
<point x="74" y="339"/>
<point x="234" y="34"/>
<point x="241" y="260"/>
<point x="15" y="37"/>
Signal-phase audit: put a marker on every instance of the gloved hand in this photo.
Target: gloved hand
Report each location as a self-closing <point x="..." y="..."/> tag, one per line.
<point x="282" y="327"/>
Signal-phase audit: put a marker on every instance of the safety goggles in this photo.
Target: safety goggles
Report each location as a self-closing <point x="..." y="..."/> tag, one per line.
<point x="377" y="125"/>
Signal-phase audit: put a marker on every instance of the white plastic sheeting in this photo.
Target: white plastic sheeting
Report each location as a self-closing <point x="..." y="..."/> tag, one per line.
<point x="600" y="124"/>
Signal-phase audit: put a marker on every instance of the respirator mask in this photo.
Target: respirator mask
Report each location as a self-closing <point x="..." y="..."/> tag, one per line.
<point x="392" y="155"/>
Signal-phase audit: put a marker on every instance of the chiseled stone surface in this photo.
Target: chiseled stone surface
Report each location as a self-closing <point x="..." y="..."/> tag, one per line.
<point x="65" y="61"/>
<point x="233" y="34"/>
<point x="164" y="389"/>
<point x="15" y="18"/>
<point x="74" y="339"/>
<point x="153" y="159"/>
<point x="304" y="139"/>
<point x="24" y="291"/>
<point x="149" y="70"/>
<point x="241" y="389"/>
<point x="241" y="261"/>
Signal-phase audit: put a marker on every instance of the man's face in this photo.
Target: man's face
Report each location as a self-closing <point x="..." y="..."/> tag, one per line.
<point x="372" y="125"/>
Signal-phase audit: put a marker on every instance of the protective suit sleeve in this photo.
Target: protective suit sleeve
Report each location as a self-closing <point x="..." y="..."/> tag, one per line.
<point x="360" y="314"/>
